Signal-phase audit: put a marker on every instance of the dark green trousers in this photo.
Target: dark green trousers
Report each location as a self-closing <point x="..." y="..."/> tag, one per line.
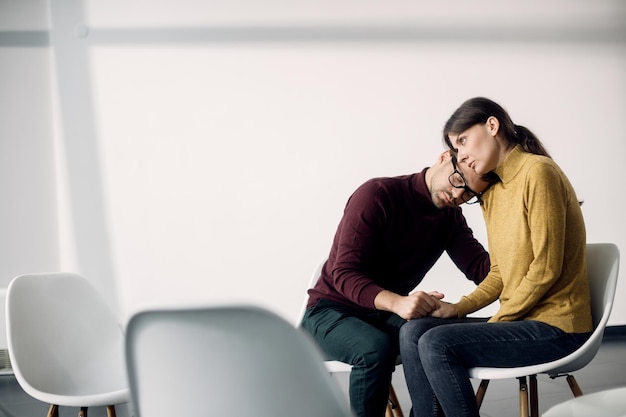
<point x="366" y="339"/>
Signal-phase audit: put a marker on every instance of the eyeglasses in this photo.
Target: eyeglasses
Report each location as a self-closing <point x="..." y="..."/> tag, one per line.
<point x="458" y="181"/>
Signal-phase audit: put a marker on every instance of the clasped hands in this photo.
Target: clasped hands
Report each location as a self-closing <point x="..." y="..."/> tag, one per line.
<point x="420" y="304"/>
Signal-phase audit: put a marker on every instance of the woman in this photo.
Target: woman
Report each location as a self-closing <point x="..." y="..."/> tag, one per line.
<point x="537" y="242"/>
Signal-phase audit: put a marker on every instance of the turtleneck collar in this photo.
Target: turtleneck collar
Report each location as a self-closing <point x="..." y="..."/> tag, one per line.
<point x="512" y="164"/>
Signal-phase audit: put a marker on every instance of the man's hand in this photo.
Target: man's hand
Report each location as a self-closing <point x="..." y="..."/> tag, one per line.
<point x="412" y="306"/>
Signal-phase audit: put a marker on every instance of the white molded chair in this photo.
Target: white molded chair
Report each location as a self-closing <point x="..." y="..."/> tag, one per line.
<point x="602" y="269"/>
<point x="65" y="344"/>
<point x="237" y="361"/>
<point x="607" y="403"/>
<point x="393" y="405"/>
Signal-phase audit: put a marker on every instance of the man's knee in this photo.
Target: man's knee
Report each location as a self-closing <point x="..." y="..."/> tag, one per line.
<point x="381" y="353"/>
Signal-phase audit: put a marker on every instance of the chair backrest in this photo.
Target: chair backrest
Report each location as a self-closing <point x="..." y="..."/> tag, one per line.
<point x="602" y="270"/>
<point x="317" y="272"/>
<point x="236" y="361"/>
<point x="65" y="344"/>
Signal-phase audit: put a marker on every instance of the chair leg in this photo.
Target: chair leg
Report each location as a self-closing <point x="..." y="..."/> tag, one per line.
<point x="388" y="410"/>
<point x="53" y="411"/>
<point x="111" y="411"/>
<point x="82" y="412"/>
<point x="574" y="386"/>
<point x="523" y="397"/>
<point x="481" y="391"/>
<point x="394" y="404"/>
<point x="534" y="396"/>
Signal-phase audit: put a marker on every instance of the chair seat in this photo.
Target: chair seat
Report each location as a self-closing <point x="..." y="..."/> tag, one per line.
<point x="504" y="373"/>
<point x="570" y="363"/>
<point x="609" y="403"/>
<point x="120" y="396"/>
<point x="337" y="366"/>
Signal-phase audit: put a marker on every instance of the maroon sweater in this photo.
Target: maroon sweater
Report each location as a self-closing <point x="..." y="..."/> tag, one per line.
<point x="390" y="235"/>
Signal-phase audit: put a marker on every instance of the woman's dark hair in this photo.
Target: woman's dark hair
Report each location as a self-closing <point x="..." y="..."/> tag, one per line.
<point x="477" y="110"/>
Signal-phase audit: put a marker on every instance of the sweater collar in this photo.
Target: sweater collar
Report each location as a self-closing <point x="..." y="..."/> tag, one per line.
<point x="512" y="164"/>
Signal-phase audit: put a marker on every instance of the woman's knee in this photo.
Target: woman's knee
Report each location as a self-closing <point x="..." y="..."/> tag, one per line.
<point x="429" y="340"/>
<point x="409" y="335"/>
<point x="414" y="330"/>
<point x="437" y="345"/>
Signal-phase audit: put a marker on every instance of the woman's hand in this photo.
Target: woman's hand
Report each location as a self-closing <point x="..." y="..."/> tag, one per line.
<point x="445" y="311"/>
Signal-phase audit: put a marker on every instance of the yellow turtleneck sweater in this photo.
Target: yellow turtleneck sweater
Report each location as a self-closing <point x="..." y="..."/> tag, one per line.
<point x="537" y="242"/>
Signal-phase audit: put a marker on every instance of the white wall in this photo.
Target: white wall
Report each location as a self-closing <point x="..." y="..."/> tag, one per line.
<point x="206" y="149"/>
<point x="28" y="213"/>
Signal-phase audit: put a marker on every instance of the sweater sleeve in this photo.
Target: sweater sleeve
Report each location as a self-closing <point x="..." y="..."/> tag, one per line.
<point x="486" y="293"/>
<point x="361" y="227"/>
<point x="467" y="253"/>
<point x="545" y="198"/>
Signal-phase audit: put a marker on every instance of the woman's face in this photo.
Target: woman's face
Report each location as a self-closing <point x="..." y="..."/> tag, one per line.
<point x="477" y="147"/>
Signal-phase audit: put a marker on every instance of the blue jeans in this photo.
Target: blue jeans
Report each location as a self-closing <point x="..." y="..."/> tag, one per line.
<point x="366" y="339"/>
<point x="437" y="353"/>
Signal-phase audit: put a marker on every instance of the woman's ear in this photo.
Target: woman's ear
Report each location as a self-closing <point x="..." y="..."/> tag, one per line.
<point x="493" y="125"/>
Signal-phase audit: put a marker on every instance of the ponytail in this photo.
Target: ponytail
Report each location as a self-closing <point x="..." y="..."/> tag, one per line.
<point x="477" y="111"/>
<point x="528" y="141"/>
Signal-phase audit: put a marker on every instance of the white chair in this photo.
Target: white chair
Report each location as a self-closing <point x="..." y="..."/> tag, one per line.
<point x="602" y="268"/>
<point x="608" y="403"/>
<point x="65" y="344"/>
<point x="393" y="405"/>
<point x="5" y="362"/>
<point x="236" y="361"/>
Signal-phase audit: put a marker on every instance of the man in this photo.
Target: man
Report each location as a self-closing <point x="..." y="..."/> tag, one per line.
<point x="392" y="232"/>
